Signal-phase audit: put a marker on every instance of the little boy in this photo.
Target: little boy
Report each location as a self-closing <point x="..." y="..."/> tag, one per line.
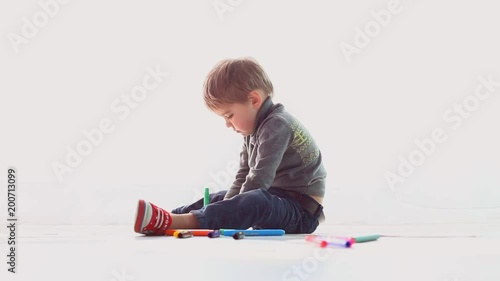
<point x="281" y="179"/>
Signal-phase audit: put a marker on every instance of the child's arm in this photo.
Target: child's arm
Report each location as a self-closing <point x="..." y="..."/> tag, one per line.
<point x="240" y="175"/>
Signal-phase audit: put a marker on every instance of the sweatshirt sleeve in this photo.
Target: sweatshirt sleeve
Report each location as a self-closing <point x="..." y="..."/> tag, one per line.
<point x="240" y="175"/>
<point x="273" y="140"/>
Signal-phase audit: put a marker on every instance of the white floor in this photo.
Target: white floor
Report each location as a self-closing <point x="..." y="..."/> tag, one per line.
<point x="457" y="252"/>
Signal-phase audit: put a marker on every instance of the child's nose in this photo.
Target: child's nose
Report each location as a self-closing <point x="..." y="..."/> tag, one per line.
<point x="228" y="124"/>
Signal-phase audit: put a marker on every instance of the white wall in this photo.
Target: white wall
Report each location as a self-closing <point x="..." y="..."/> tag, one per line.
<point x="64" y="74"/>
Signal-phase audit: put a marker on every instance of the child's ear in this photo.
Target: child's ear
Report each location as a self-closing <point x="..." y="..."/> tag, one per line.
<point x="255" y="98"/>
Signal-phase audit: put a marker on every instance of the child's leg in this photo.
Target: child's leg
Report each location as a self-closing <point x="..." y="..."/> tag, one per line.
<point x="257" y="208"/>
<point x="184" y="221"/>
<point x="153" y="220"/>
<point x="214" y="197"/>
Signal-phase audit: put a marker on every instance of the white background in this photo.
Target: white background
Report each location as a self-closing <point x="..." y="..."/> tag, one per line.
<point x="364" y="110"/>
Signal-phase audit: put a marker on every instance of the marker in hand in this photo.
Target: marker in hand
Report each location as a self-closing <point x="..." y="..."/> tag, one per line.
<point x="206" y="198"/>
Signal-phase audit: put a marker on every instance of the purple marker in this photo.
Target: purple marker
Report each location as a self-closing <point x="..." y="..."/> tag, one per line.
<point x="214" y="234"/>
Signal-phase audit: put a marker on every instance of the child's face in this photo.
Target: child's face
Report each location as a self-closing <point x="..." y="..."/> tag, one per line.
<point x="239" y="116"/>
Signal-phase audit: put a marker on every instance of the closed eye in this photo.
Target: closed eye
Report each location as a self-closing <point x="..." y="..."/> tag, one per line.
<point x="230" y="116"/>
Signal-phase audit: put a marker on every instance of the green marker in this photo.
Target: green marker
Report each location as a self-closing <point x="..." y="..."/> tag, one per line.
<point x="368" y="238"/>
<point x="206" y="199"/>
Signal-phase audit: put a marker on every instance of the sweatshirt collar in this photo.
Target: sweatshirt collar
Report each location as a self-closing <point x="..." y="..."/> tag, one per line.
<point x="263" y="112"/>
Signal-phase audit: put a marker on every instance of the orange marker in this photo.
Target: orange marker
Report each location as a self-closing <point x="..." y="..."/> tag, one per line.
<point x="194" y="232"/>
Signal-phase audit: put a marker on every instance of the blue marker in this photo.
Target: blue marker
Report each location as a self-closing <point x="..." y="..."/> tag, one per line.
<point x="253" y="232"/>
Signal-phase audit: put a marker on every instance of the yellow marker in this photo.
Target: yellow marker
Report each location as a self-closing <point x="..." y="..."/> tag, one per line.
<point x="183" y="234"/>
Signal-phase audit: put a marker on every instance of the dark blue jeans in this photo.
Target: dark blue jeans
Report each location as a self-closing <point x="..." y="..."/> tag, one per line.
<point x="258" y="208"/>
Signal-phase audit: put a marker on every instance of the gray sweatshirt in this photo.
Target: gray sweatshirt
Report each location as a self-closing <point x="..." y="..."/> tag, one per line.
<point x="279" y="153"/>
